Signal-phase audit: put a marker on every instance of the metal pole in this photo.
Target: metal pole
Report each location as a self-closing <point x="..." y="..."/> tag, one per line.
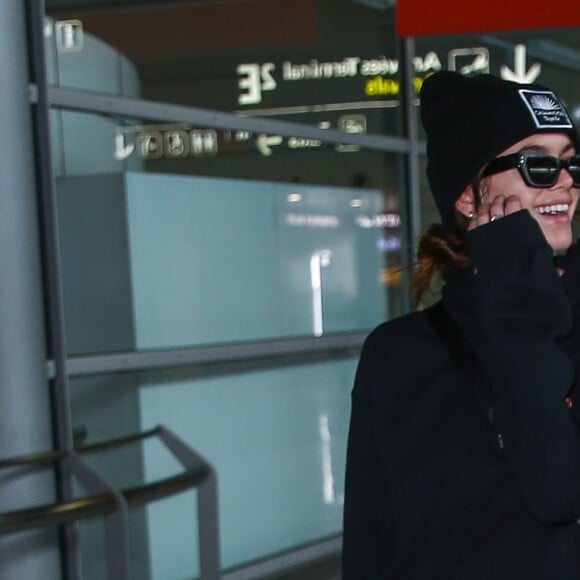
<point x="25" y="409"/>
<point x="56" y="350"/>
<point x="409" y="98"/>
<point x="207" y="505"/>
<point x="208" y="528"/>
<point x="116" y="524"/>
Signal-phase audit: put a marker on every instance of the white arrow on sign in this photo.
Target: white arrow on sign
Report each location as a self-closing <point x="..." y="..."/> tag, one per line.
<point x="263" y="143"/>
<point x="519" y="74"/>
<point x="122" y="151"/>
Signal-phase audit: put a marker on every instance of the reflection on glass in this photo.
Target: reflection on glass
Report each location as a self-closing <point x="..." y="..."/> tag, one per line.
<point x="293" y="65"/>
<point x="328" y="492"/>
<point x="318" y="260"/>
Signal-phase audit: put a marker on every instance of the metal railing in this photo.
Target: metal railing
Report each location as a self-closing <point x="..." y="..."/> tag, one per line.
<point x="114" y="503"/>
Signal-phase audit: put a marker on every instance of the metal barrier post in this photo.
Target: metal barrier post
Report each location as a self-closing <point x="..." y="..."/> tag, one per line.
<point x="208" y="526"/>
<point x="113" y="503"/>
<point x="116" y="523"/>
<point x="207" y="506"/>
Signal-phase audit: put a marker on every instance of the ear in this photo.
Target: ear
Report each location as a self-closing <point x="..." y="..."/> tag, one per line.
<point x="465" y="203"/>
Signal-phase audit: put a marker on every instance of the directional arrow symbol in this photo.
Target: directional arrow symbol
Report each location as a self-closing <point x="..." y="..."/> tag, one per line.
<point x="519" y="74"/>
<point x="263" y="143"/>
<point x="122" y="151"/>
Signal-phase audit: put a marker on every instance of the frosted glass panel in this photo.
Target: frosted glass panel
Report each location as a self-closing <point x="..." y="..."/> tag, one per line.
<point x="277" y="438"/>
<point x="222" y="260"/>
<point x="198" y="260"/>
<point x="204" y="259"/>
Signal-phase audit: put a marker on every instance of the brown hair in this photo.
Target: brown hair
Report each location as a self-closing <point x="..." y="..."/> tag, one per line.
<point x="440" y="246"/>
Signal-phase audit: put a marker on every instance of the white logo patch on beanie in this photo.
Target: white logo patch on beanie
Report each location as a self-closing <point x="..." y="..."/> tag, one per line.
<point x="547" y="111"/>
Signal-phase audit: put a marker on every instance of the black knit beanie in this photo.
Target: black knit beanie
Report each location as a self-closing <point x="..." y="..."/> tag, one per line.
<point x="470" y="120"/>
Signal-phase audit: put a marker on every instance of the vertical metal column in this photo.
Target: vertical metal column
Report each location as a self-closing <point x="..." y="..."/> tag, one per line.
<point x="409" y="98"/>
<point x="25" y="410"/>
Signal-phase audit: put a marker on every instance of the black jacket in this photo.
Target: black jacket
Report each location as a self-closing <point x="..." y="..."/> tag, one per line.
<point x="464" y="448"/>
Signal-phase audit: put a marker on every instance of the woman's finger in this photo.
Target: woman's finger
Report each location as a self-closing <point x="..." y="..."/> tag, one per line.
<point x="512" y="204"/>
<point x="497" y="208"/>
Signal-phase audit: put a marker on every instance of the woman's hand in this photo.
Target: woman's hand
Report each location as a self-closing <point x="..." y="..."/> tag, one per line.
<point x="500" y="206"/>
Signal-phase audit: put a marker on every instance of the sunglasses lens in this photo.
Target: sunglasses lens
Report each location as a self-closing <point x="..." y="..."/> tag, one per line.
<point x="543" y="171"/>
<point x="574" y="169"/>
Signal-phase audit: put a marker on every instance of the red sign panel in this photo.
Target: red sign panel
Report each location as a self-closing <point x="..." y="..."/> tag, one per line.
<point x="418" y="17"/>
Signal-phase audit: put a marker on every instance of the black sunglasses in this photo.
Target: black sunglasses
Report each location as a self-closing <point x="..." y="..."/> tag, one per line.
<point x="537" y="170"/>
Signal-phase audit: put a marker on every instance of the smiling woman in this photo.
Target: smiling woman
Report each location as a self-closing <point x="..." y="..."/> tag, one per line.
<point x="466" y="465"/>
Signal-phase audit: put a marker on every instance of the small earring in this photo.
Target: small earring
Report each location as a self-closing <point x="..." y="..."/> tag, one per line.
<point x="470" y="215"/>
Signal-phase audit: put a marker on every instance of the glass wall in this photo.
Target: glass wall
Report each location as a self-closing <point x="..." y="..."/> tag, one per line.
<point x="275" y="430"/>
<point x="230" y="183"/>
